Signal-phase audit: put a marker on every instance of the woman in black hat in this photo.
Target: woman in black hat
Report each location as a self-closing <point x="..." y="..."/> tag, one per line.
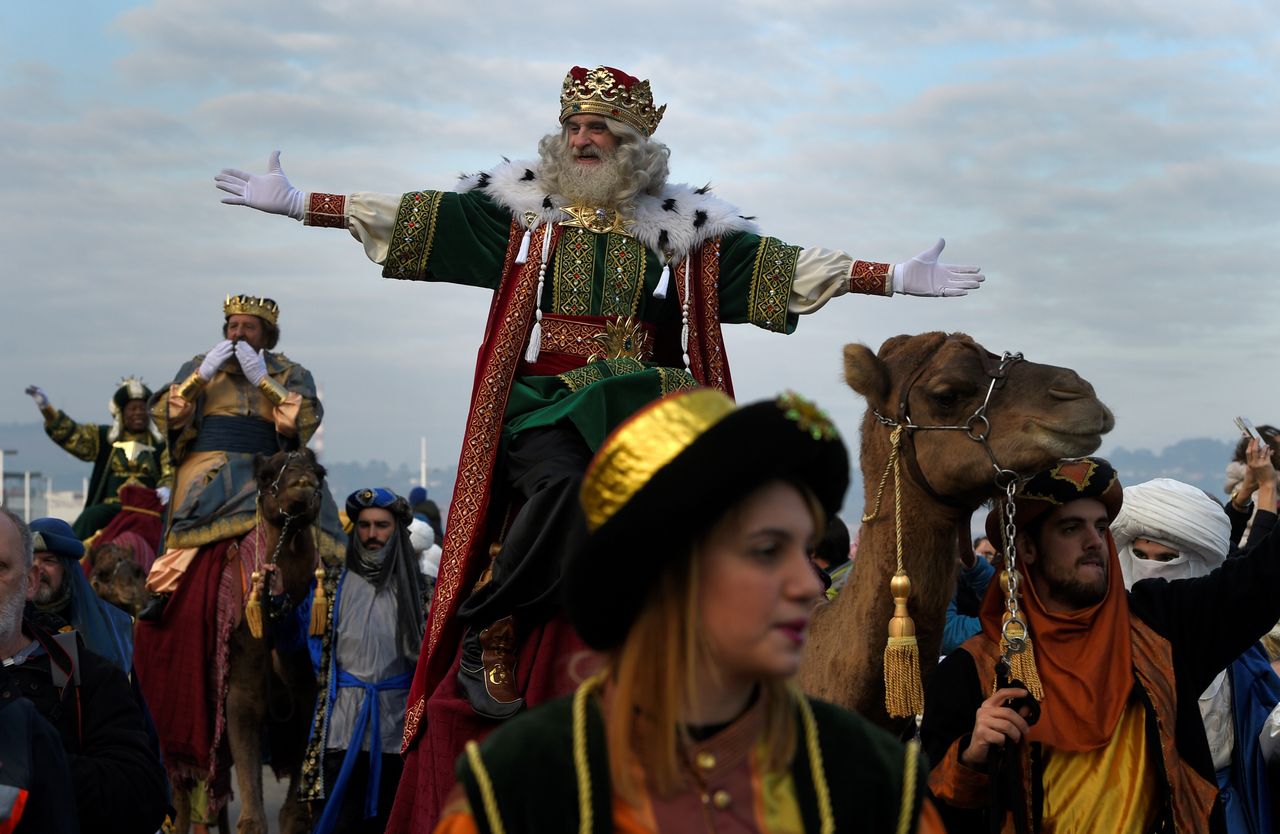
<point x="696" y="585"/>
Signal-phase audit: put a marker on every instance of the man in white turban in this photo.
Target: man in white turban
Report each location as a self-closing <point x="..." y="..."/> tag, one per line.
<point x="1169" y="530"/>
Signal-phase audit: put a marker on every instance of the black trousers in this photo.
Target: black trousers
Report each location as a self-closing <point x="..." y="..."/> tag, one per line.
<point x="351" y="819"/>
<point x="543" y="469"/>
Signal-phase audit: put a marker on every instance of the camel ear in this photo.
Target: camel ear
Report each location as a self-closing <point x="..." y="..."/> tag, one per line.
<point x="865" y="373"/>
<point x="260" y="462"/>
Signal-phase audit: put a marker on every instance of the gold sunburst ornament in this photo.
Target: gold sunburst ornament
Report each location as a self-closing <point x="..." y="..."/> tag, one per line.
<point x="622" y="338"/>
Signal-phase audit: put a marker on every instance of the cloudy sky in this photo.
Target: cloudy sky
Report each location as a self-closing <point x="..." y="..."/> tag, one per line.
<point x="1112" y="164"/>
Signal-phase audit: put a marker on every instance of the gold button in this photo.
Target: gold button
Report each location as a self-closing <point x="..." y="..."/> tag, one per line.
<point x="721" y="799"/>
<point x="705" y="760"/>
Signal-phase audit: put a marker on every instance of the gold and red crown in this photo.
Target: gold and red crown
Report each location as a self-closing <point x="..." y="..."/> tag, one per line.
<point x="251" y="305"/>
<point x="610" y="92"/>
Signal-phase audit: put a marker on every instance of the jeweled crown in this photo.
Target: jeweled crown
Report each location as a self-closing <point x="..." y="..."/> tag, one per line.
<point x="610" y="92"/>
<point x="251" y="305"/>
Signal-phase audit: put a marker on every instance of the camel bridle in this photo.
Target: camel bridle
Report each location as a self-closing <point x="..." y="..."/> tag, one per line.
<point x="977" y="427"/>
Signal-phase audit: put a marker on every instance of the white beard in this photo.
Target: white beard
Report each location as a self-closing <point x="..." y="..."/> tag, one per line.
<point x="592" y="185"/>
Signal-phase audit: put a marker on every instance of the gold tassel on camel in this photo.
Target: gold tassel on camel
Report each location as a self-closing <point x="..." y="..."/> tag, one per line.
<point x="903" y="692"/>
<point x="253" y="608"/>
<point x="319" y="606"/>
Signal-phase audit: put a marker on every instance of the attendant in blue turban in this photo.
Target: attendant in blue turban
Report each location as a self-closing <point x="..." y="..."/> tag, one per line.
<point x="64" y="594"/>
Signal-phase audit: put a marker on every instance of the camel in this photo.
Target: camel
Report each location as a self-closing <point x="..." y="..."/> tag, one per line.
<point x="273" y="691"/>
<point x="1036" y="415"/>
<point x="117" y="577"/>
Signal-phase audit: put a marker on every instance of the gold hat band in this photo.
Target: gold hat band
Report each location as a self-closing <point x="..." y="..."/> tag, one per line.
<point x="650" y="440"/>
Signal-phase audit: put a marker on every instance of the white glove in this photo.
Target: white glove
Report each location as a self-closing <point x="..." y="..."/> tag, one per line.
<point x="215" y="359"/>
<point x="923" y="275"/>
<point x="270" y="192"/>
<point x="36" y="393"/>
<point x="163" y="494"/>
<point x="252" y="362"/>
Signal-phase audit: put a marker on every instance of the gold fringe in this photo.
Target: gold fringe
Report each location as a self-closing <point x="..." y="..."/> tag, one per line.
<point x="1023" y="667"/>
<point x="903" y="693"/>
<point x="253" y="608"/>
<point x="319" y="607"/>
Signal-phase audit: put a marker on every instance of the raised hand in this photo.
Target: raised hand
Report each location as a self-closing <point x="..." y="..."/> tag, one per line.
<point x="252" y="362"/>
<point x="36" y="393"/>
<point x="270" y="192"/>
<point x="923" y="275"/>
<point x="216" y="358"/>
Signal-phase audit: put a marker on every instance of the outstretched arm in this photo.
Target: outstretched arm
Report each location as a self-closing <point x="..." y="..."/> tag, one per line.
<point x="80" y="439"/>
<point x="823" y="274"/>
<point x="431" y="235"/>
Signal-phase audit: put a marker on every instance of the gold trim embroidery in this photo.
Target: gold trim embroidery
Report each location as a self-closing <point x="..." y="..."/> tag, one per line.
<point x="624" y="267"/>
<point x="484" y="425"/>
<point x="676" y="379"/>
<point x="580" y="378"/>
<point x="576" y="337"/>
<point x="771" y="279"/>
<point x="575" y="267"/>
<point x="413" y="235"/>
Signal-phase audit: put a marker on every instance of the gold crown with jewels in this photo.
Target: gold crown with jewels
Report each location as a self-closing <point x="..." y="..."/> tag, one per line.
<point x="610" y="92"/>
<point x="251" y="305"/>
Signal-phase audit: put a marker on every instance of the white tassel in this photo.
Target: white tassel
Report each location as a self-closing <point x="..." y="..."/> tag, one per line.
<point x="535" y="336"/>
<point x="535" y="341"/>
<point x="660" y="292"/>
<point x="523" y="255"/>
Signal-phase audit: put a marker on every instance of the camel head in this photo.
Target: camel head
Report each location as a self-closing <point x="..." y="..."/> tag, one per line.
<point x="289" y="485"/>
<point x="1037" y="413"/>
<point x="118" y="578"/>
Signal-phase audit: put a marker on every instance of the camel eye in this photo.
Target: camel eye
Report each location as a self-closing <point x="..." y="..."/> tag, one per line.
<point x="945" y="400"/>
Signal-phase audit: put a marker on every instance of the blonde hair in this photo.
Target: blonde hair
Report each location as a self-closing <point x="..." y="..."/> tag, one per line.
<point x="642" y="161"/>
<point x="652" y="681"/>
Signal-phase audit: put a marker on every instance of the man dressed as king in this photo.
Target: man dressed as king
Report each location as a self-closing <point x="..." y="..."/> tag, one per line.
<point x="610" y="286"/>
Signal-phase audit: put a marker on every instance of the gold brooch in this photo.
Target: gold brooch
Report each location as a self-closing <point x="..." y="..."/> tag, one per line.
<point x="621" y="338"/>
<point x="598" y="220"/>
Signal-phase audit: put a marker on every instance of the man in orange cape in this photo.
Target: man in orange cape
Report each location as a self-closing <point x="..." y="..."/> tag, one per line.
<point x="1118" y="744"/>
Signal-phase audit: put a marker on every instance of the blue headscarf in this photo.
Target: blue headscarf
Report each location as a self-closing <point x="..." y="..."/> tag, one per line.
<point x="105" y="629"/>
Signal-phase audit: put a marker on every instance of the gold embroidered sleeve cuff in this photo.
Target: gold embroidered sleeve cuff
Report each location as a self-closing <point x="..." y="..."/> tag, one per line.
<point x="326" y="210"/>
<point x="191" y="387"/>
<point x="274" y="390"/>
<point x="870" y="278"/>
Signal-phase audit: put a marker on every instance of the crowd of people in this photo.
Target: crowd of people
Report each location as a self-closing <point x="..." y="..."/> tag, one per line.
<point x="536" y="661"/>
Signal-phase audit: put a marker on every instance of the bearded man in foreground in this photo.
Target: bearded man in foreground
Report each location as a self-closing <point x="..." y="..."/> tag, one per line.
<point x="609" y="288"/>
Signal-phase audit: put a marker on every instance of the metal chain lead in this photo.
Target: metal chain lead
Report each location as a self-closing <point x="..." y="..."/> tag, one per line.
<point x="1017" y="642"/>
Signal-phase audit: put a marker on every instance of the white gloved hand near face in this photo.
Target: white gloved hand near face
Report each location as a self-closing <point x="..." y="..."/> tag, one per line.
<point x="36" y="393"/>
<point x="923" y="275"/>
<point x="252" y="362"/>
<point x="270" y="192"/>
<point x="163" y="494"/>
<point x="215" y="359"/>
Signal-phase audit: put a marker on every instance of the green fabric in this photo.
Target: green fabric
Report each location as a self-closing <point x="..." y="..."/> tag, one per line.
<point x="529" y="760"/>
<point x="463" y="238"/>
<point x="613" y="391"/>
